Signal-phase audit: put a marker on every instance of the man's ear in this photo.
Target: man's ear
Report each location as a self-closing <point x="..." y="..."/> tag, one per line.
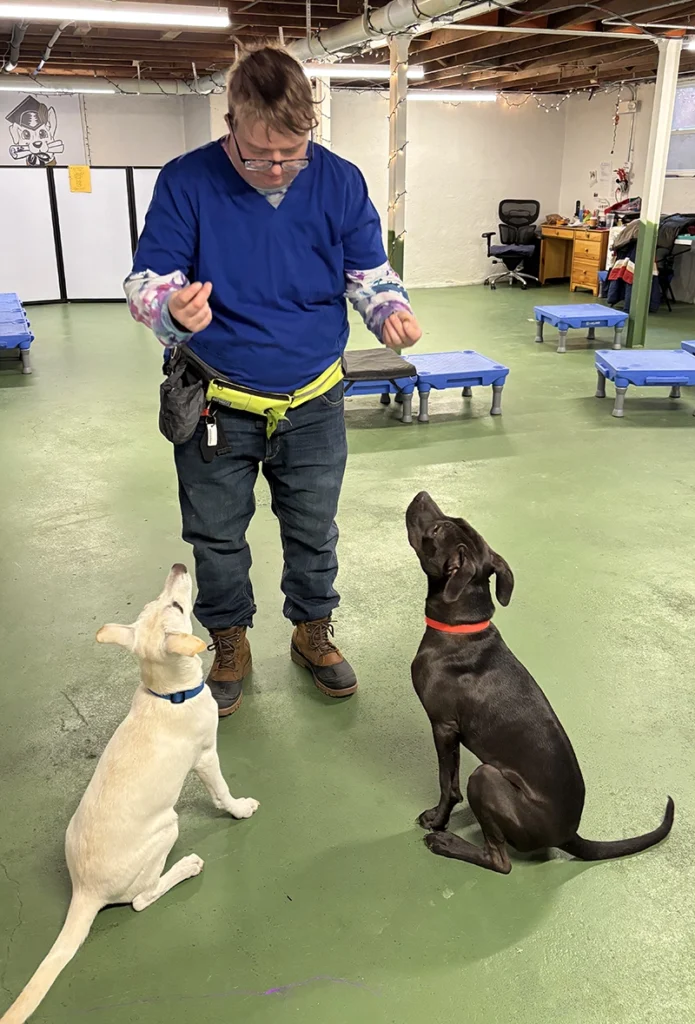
<point x="460" y="574"/>
<point x="504" y="579"/>
<point x="185" y="644"/>
<point x="124" y="636"/>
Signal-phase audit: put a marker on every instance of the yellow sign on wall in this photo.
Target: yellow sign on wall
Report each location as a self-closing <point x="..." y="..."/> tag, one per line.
<point x="80" y="178"/>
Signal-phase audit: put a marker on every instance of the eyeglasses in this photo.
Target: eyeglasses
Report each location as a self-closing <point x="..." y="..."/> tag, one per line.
<point x="261" y="166"/>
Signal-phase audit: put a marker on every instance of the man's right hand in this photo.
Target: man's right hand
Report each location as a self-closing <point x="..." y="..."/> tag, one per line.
<point x="190" y="306"/>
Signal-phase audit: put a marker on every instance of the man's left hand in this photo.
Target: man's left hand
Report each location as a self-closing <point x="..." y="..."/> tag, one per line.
<point x="401" y="330"/>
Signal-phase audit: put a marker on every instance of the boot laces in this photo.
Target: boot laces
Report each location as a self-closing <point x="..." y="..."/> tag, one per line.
<point x="319" y="635"/>
<point x="225" y="647"/>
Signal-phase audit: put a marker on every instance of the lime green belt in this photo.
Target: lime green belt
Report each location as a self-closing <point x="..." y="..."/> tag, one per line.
<point x="271" y="405"/>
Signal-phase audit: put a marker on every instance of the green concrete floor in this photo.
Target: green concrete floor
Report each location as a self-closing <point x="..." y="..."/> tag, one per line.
<point x="327" y="907"/>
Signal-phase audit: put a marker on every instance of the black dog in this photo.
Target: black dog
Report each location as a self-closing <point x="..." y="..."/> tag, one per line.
<point x="529" y="789"/>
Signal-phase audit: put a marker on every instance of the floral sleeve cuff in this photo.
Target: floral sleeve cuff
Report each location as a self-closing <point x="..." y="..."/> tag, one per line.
<point x="376" y="295"/>
<point x="148" y="297"/>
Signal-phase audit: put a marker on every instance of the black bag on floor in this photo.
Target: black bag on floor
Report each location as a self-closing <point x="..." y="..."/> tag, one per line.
<point x="181" y="400"/>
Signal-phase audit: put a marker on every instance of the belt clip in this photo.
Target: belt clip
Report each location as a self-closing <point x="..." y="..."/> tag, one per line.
<point x="208" y="444"/>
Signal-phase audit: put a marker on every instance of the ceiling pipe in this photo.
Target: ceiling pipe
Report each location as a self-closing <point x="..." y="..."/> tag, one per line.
<point x="56" y="84"/>
<point x="19" y="30"/>
<point x="396" y="17"/>
<point x="627" y="37"/>
<point x="216" y="82"/>
<point x="649" y="24"/>
<point x="51" y="43"/>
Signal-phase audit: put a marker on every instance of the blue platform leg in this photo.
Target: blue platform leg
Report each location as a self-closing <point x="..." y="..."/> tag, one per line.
<point x="539" y="331"/>
<point x="618" y="337"/>
<point x="675" y="391"/>
<point x="562" y="340"/>
<point x="496" y="409"/>
<point x="601" y="386"/>
<point x="26" y="360"/>
<point x="619" y="407"/>
<point x="591" y="335"/>
<point x="424" y="411"/>
<point x="467" y="393"/>
<point x="385" y="399"/>
<point x="407" y="401"/>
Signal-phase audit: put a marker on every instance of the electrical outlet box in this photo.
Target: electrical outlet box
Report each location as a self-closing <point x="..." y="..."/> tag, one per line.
<point x="629" y="107"/>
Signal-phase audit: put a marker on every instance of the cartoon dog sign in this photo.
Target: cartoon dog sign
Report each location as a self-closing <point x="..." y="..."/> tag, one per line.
<point x="33" y="128"/>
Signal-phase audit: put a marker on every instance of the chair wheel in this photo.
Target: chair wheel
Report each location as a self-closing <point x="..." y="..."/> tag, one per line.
<point x="524" y="287"/>
<point x="493" y="287"/>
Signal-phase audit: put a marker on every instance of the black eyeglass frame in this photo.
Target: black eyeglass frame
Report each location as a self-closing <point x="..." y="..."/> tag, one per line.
<point x="263" y="166"/>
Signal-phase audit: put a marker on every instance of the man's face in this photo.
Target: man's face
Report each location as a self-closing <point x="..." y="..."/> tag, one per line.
<point x="257" y="142"/>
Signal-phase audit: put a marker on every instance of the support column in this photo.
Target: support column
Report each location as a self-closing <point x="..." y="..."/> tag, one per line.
<point x="322" y="95"/>
<point x="653" y="188"/>
<point x="398" y="140"/>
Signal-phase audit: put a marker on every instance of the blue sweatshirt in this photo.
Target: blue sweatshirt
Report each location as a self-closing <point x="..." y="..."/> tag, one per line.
<point x="278" y="274"/>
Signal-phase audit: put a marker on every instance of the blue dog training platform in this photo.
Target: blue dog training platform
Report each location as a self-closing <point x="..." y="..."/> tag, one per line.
<point x="644" y="368"/>
<point x="376" y="372"/>
<point x="14" y="328"/>
<point x="466" y="370"/>
<point x="401" y="387"/>
<point x="589" y="315"/>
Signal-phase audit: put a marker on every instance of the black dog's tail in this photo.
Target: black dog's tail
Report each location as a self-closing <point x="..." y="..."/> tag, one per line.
<point x="586" y="849"/>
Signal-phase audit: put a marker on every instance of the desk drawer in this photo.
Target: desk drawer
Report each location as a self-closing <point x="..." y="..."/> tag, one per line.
<point x="588" y="236"/>
<point x="588" y="250"/>
<point x="584" y="273"/>
<point x="556" y="233"/>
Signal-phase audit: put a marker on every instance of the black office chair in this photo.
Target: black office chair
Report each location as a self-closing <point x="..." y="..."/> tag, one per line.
<point x="518" y="237"/>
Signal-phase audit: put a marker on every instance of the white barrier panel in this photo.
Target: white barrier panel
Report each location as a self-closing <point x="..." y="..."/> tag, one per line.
<point x="95" y="234"/>
<point x="28" y="262"/>
<point x="144" y="179"/>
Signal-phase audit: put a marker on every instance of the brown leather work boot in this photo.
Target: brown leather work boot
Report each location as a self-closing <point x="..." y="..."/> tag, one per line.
<point x="313" y="649"/>
<point x="231" y="666"/>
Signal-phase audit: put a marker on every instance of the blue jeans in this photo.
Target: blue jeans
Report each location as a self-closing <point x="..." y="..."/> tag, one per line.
<point x="304" y="463"/>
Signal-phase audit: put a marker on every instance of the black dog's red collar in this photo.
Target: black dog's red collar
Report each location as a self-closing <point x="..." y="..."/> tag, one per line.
<point x="442" y="627"/>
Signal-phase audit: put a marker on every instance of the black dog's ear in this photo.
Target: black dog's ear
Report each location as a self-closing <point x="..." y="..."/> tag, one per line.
<point x="504" y="579"/>
<point x="460" y="575"/>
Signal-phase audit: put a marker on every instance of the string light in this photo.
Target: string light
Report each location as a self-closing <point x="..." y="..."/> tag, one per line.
<point x="616" y="119"/>
<point x="394" y="206"/>
<point x="589" y="90"/>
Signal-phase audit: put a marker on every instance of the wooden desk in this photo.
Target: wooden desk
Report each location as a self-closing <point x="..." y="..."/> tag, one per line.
<point x="576" y="253"/>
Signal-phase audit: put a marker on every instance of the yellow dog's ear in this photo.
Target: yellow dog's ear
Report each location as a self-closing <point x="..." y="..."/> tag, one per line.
<point x="185" y="644"/>
<point x="124" y="636"/>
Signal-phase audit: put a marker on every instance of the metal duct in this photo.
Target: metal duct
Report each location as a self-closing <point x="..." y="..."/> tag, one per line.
<point x="51" y="43"/>
<point x="395" y="17"/>
<point x="216" y="82"/>
<point x="19" y="30"/>
<point x="47" y="84"/>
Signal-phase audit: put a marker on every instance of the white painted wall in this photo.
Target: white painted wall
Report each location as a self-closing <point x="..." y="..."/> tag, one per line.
<point x="360" y="133"/>
<point x="196" y="121"/>
<point x="133" y="130"/>
<point x="589" y="140"/>
<point x="462" y="160"/>
<point x="218" y="110"/>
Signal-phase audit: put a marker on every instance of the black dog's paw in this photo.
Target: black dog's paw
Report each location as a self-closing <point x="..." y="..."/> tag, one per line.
<point x="438" y="842"/>
<point x="429" y="819"/>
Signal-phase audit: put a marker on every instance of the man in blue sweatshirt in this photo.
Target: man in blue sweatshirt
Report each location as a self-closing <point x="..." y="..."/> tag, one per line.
<point x="249" y="248"/>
